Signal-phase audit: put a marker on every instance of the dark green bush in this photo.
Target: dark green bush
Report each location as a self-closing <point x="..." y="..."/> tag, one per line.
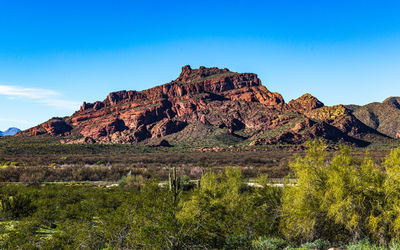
<point x="16" y="206"/>
<point x="185" y="183"/>
<point x="242" y="241"/>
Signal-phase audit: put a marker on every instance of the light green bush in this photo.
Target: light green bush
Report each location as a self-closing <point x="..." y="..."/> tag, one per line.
<point x="264" y="243"/>
<point x="132" y="181"/>
<point x="341" y="199"/>
<point x="319" y="244"/>
<point x="364" y="245"/>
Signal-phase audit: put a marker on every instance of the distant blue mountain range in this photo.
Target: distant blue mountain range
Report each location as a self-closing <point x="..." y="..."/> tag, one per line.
<point x="10" y="131"/>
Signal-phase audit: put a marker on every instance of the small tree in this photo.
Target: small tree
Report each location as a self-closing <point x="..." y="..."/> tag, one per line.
<point x="217" y="209"/>
<point x="391" y="216"/>
<point x="302" y="216"/>
<point x="342" y="198"/>
<point x="354" y="194"/>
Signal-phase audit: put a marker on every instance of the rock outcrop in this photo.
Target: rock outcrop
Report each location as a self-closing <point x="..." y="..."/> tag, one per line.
<point x="306" y="102"/>
<point x="55" y="127"/>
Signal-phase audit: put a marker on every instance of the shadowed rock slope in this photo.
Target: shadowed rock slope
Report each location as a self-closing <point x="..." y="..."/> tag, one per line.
<point x="206" y="107"/>
<point x="382" y="116"/>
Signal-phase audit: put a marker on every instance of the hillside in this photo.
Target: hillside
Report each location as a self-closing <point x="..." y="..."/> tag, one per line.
<point x="382" y="116"/>
<point x="10" y="132"/>
<point x="208" y="107"/>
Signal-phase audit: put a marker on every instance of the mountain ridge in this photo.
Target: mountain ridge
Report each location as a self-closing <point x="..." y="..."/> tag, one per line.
<point x="382" y="116"/>
<point x="10" y="131"/>
<point x="205" y="106"/>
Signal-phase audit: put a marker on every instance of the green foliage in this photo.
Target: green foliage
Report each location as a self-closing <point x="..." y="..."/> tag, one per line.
<point x="223" y="209"/>
<point x="342" y="198"/>
<point x="266" y="203"/>
<point x="242" y="241"/>
<point x="147" y="221"/>
<point x="185" y="183"/>
<point x="263" y="243"/>
<point x="392" y="193"/>
<point x="365" y="245"/>
<point x="15" y="206"/>
<point x="83" y="167"/>
<point x="394" y="245"/>
<point x="319" y="244"/>
<point x="8" y="164"/>
<point x="132" y="181"/>
<point x="76" y="235"/>
<point x="226" y="214"/>
<point x="26" y="237"/>
<point x="217" y="207"/>
<point x="354" y="194"/>
<point x="335" y="198"/>
<point x="302" y="216"/>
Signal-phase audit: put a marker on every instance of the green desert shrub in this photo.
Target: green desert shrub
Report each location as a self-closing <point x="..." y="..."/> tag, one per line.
<point x="389" y="221"/>
<point x="9" y="164"/>
<point x="394" y="245"/>
<point x="342" y="198"/>
<point x="242" y="241"/>
<point x="222" y="209"/>
<point x="364" y="245"/>
<point x="303" y="216"/>
<point x="75" y="235"/>
<point x="15" y="206"/>
<point x="185" y="183"/>
<point x="216" y="210"/>
<point x="319" y="244"/>
<point x="132" y="181"/>
<point x="264" y="243"/>
<point x="25" y="237"/>
<point x="336" y="198"/>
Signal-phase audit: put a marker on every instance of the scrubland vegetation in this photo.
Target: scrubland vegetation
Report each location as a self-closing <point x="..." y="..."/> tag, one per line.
<point x="337" y="201"/>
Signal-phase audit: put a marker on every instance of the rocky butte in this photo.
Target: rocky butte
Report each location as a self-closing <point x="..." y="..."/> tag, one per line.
<point x="207" y="106"/>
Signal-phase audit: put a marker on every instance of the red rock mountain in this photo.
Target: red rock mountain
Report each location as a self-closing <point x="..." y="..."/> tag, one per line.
<point x="205" y="106"/>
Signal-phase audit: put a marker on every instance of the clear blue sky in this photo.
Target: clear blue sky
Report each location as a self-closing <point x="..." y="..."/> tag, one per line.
<point x="56" y="54"/>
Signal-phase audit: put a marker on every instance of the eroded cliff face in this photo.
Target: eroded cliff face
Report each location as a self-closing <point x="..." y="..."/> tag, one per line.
<point x="203" y="98"/>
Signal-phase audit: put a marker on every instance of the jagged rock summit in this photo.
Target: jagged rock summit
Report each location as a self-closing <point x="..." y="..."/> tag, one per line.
<point x="205" y="106"/>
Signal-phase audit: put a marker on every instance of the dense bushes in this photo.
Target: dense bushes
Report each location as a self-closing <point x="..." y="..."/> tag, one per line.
<point x="221" y="212"/>
<point x="16" y="206"/>
<point x="39" y="174"/>
<point x="339" y="201"/>
<point x="343" y="199"/>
